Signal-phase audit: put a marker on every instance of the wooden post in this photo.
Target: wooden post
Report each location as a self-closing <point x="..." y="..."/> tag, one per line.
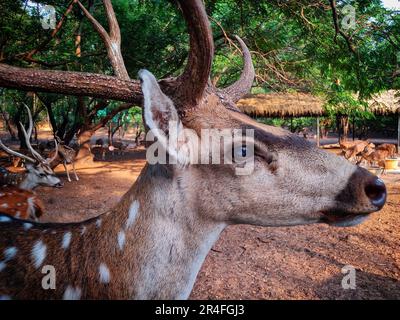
<point x="398" y="132"/>
<point x="318" y="134"/>
<point x="338" y="127"/>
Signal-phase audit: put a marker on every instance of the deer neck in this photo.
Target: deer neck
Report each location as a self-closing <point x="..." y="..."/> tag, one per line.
<point x="27" y="182"/>
<point x="170" y="237"/>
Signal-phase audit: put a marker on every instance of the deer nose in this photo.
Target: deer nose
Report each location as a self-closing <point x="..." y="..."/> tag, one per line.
<point x="376" y="192"/>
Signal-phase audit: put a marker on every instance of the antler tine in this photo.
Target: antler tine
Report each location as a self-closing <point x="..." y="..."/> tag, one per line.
<point x="194" y="79"/>
<point x="27" y="136"/>
<point x="34" y="153"/>
<point x="15" y="153"/>
<point x="30" y="128"/>
<point x="241" y="87"/>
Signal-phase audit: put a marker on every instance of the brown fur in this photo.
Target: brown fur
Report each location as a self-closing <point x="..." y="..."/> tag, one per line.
<point x="391" y="148"/>
<point x="352" y="150"/>
<point x="377" y="156"/>
<point x="14" y="202"/>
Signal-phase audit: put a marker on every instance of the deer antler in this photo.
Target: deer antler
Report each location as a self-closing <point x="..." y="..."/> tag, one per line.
<point x="112" y="40"/>
<point x="194" y="79"/>
<point x="186" y="90"/>
<point x="27" y="136"/>
<point x="241" y="87"/>
<point x="15" y="153"/>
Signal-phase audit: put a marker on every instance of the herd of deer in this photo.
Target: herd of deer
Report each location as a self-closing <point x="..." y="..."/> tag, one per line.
<point x="152" y="244"/>
<point x="360" y="151"/>
<point x="17" y="197"/>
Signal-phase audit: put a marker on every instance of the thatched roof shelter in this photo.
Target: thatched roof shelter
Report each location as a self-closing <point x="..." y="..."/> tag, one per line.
<point x="278" y="105"/>
<point x="273" y="105"/>
<point x="386" y="103"/>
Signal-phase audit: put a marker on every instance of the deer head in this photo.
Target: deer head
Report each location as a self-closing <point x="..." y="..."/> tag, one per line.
<point x="38" y="168"/>
<point x="293" y="182"/>
<point x="152" y="243"/>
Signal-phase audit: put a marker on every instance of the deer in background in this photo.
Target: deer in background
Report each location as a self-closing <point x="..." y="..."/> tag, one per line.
<point x="152" y="244"/>
<point x="65" y="155"/>
<point x="391" y="149"/>
<point x="377" y="156"/>
<point x="352" y="150"/>
<point x="16" y="195"/>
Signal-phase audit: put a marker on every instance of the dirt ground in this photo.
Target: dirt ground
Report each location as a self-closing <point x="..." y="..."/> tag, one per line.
<point x="249" y="262"/>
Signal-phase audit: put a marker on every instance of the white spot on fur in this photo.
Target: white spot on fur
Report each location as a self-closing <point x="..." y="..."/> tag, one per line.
<point x="38" y="253"/>
<point x="83" y="230"/>
<point x="4" y="219"/>
<point x="66" y="240"/>
<point x="27" y="226"/>
<point x="98" y="223"/>
<point x="121" y="240"/>
<point x="72" y="293"/>
<point x="104" y="273"/>
<point x="10" y="253"/>
<point x="133" y="211"/>
<point x="4" y="205"/>
<point x="18" y="214"/>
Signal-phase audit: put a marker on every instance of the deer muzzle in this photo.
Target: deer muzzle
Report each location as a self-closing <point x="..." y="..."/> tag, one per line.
<point x="365" y="193"/>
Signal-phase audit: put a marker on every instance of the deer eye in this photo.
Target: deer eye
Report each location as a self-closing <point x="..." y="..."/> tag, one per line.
<point x="242" y="153"/>
<point x="42" y="175"/>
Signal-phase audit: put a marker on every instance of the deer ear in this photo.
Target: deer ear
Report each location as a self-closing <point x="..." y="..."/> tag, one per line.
<point x="162" y="119"/>
<point x="159" y="110"/>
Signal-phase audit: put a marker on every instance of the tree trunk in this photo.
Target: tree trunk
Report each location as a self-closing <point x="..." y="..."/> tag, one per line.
<point x="10" y="127"/>
<point x="84" y="154"/>
<point x="345" y="126"/>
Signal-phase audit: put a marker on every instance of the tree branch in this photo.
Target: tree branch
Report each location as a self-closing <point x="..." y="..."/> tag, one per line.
<point x="112" y="41"/>
<point x="111" y="115"/>
<point x="71" y="83"/>
<point x="338" y="30"/>
<point x="30" y="54"/>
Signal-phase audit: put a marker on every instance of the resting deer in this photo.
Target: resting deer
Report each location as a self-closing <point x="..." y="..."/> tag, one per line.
<point x="38" y="171"/>
<point x="391" y="149"/>
<point x="17" y="198"/>
<point x="352" y="150"/>
<point x="20" y="203"/>
<point x="152" y="244"/>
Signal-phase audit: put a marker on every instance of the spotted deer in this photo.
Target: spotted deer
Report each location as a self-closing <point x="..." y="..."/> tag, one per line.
<point x="152" y="244"/>
<point x="20" y="203"/>
<point x="65" y="155"/>
<point x="16" y="195"/>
